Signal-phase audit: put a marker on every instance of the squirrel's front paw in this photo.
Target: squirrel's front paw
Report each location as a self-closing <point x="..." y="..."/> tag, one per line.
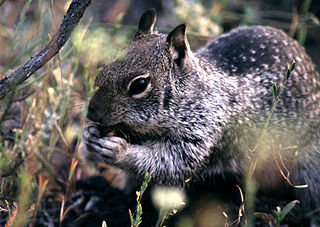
<point x="105" y="149"/>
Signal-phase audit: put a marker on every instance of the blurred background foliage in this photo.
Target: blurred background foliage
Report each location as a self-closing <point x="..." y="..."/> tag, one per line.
<point x="41" y="122"/>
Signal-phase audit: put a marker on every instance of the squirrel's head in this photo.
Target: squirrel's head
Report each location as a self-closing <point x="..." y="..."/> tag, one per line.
<point x="137" y="90"/>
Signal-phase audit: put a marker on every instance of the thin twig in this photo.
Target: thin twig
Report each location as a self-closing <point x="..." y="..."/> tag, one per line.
<point x="2" y="2"/>
<point x="70" y="20"/>
<point x="24" y="97"/>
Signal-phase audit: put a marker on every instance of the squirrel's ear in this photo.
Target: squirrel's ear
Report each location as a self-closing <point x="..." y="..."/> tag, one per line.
<point x="146" y="22"/>
<point x="178" y="43"/>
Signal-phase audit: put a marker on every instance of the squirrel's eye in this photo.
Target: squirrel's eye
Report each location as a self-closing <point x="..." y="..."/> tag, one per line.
<point x="139" y="86"/>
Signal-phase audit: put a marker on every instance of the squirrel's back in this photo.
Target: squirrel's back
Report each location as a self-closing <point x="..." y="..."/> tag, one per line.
<point x="260" y="54"/>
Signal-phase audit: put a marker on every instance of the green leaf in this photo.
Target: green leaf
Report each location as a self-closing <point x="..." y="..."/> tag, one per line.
<point x="290" y="69"/>
<point x="274" y="90"/>
<point x="139" y="209"/>
<point x="131" y="218"/>
<point x="280" y="214"/>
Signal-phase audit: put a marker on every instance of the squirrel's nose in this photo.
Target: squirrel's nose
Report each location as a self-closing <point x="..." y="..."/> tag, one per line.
<point x="93" y="114"/>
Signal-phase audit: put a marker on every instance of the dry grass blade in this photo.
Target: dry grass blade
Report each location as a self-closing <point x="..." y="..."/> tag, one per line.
<point x="282" y="167"/>
<point x="42" y="186"/>
<point x="241" y="208"/>
<point x="12" y="213"/>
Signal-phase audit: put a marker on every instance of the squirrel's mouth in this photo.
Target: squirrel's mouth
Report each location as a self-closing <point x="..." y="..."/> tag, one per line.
<point x="119" y="130"/>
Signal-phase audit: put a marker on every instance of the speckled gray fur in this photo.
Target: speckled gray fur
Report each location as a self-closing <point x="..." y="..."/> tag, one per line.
<point x="204" y="111"/>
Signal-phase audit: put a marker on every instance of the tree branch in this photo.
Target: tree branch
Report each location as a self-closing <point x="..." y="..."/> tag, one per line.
<point x="70" y="20"/>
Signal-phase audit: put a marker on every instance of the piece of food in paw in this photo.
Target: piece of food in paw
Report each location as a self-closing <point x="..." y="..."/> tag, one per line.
<point x="111" y="133"/>
<point x="116" y="130"/>
<point x="106" y="131"/>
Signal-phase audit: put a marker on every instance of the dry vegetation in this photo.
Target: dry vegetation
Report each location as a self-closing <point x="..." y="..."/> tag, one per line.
<point x="41" y="121"/>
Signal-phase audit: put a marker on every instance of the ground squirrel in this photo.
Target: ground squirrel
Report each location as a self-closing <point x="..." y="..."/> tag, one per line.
<point x="197" y="115"/>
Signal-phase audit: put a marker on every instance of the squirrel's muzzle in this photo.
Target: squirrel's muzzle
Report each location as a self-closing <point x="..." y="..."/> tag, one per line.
<point x="93" y="113"/>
